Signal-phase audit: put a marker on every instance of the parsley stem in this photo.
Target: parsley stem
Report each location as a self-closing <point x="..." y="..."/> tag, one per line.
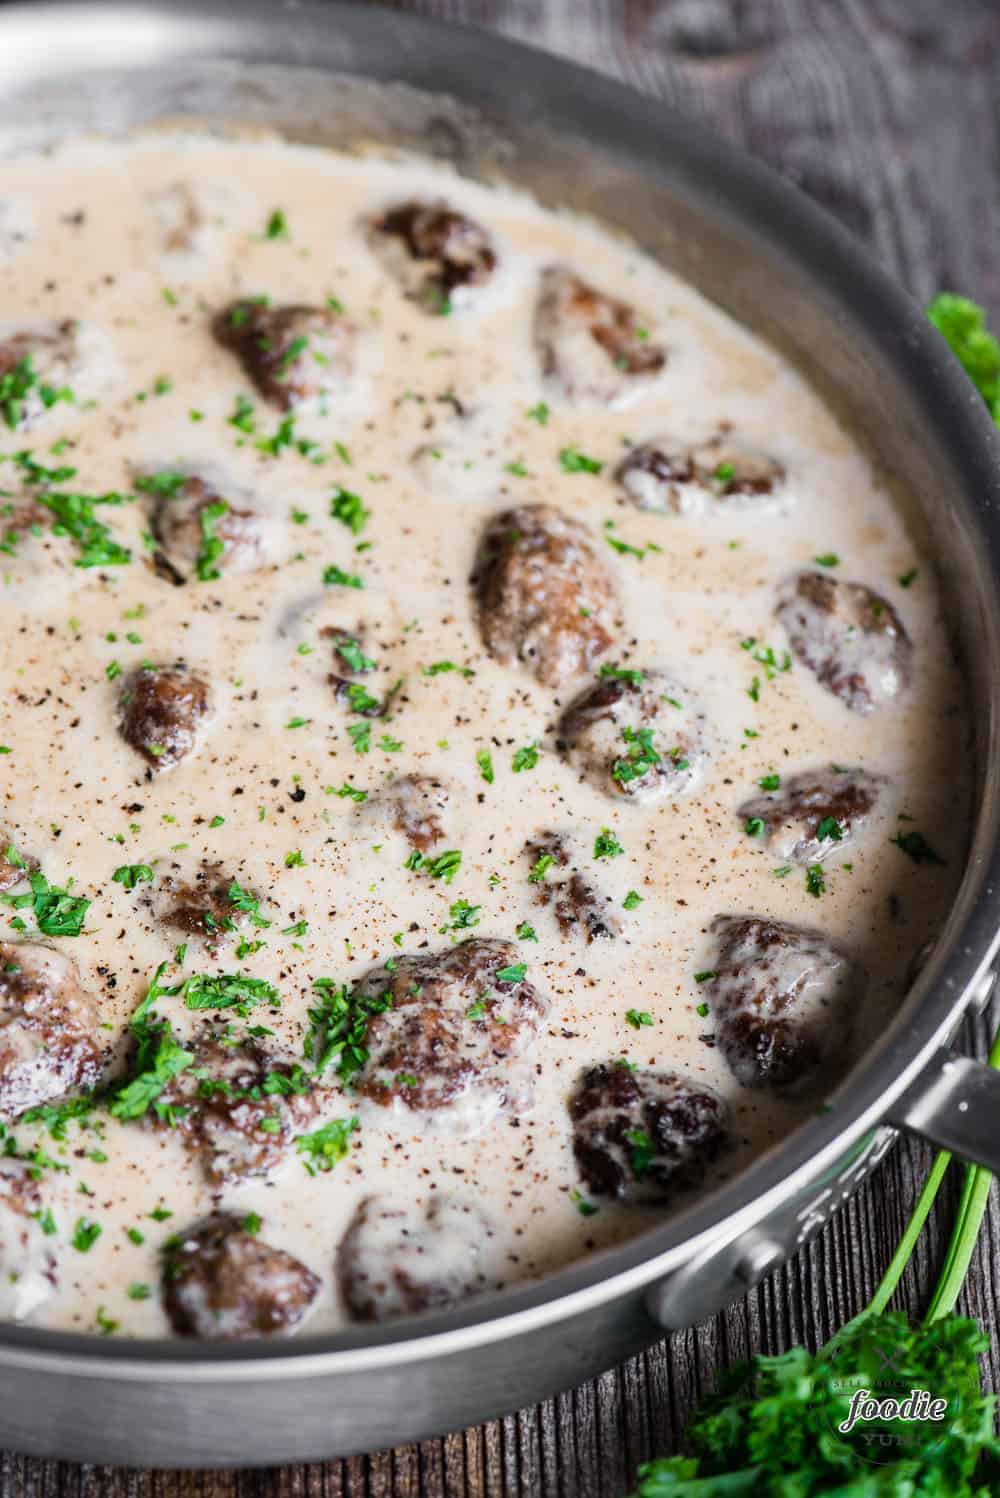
<point x="971" y="1209"/>
<point x="965" y="1234"/>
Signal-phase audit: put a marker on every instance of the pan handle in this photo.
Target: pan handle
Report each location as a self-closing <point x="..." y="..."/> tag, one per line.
<point x="955" y="1104"/>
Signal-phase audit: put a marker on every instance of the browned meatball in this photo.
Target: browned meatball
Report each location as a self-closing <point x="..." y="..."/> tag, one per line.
<point x="636" y="734"/>
<point x="27" y="1256"/>
<point x="236" y="1107"/>
<point x="578" y="906"/>
<point x="206" y="529"/>
<point x="811" y="815"/>
<point x="783" y="998"/>
<point x="455" y="1022"/>
<point x="643" y="1135"/>
<point x="435" y="253"/>
<point x="14" y="865"/>
<point x="402" y="1256"/>
<point x="221" y="1283"/>
<point x="161" y="710"/>
<point x="545" y="598"/>
<point x="212" y="906"/>
<point x="47" y="1028"/>
<point x="592" y="347"/>
<point x="674" y="477"/>
<point x="36" y="366"/>
<point x="414" y="805"/>
<point x="293" y="354"/>
<point x="851" y="637"/>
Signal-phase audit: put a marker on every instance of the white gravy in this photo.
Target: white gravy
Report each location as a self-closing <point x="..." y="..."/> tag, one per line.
<point x="86" y="234"/>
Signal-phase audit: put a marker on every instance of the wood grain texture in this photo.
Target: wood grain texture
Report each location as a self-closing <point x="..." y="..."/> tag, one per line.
<point x="888" y="112"/>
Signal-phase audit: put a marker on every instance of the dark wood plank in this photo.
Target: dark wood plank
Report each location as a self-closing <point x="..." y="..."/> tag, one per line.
<point x="885" y="111"/>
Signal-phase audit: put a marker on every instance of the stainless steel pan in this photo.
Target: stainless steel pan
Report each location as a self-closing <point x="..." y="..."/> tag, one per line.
<point x="346" y="74"/>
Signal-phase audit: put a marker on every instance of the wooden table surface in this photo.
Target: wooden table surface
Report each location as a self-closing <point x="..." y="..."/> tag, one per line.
<point x="888" y="112"/>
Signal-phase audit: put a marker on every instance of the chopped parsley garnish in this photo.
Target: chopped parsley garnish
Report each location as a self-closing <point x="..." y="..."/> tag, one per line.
<point x="56" y="911"/>
<point x="324" y="1147"/>
<point x="445" y="866"/>
<point x="247" y="904"/>
<point x="606" y="844"/>
<point x="829" y="830"/>
<point x="724" y="472"/>
<point x="85" y="1234"/>
<point x="638" y="1017"/>
<point x="106" y="1325"/>
<point x="297" y="722"/>
<point x="755" y="827"/>
<point x="360" y="735"/>
<point x="583" y="1206"/>
<point x="539" y="413"/>
<point x="815" y="882"/>
<point x="526" y="932"/>
<point x="440" y="668"/>
<point x="541" y="867"/>
<point x="338" y="1023"/>
<point x="526" y="758"/>
<point x="485" y="762"/>
<point x="352" y="655"/>
<point x="131" y="874"/>
<point x="349" y="509"/>
<point x="916" y="847"/>
<point x="704" y="976"/>
<point x="242" y="416"/>
<point x="622" y="673"/>
<point x="276" y="226"/>
<point x="47" y="1222"/>
<point x="642" y="1152"/>
<point x="294" y="859"/>
<point x="632" y="900"/>
<point x="640" y="756"/>
<point x="828" y="559"/>
<point x="513" y="974"/>
<point x="211" y="546"/>
<point x="336" y="577"/>
<point x="909" y="577"/>
<point x="766" y="656"/>
<point x="134" y="1235"/>
<point x="572" y="460"/>
<point x="137" y="1291"/>
<point x="462" y="915"/>
<point x="769" y="782"/>
<point x="18" y="383"/>
<point x="227" y="991"/>
<point x="347" y="790"/>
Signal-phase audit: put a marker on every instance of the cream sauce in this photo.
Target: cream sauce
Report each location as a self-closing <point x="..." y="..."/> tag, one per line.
<point x="97" y="232"/>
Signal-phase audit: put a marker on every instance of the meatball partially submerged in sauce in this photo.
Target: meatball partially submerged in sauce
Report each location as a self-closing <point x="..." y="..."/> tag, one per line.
<point x="206" y="528"/>
<point x="238" y="1108"/>
<point x="161" y="710"/>
<point x="445" y="1031"/>
<point x="809" y="816"/>
<point x="724" y="473"/>
<point x="212" y="906"/>
<point x="414" y="805"/>
<point x="636" y="734"/>
<point x="436" y="254"/>
<point x="28" y="1260"/>
<point x="643" y="1135"/>
<point x="850" y="636"/>
<point x="295" y="355"/>
<point x="36" y="368"/>
<point x="592" y="347"/>
<point x="577" y="904"/>
<point x="222" y="1283"/>
<point x="545" y="598"/>
<point x="783" y="999"/>
<point x="398" y="1257"/>
<point x="48" y="1024"/>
